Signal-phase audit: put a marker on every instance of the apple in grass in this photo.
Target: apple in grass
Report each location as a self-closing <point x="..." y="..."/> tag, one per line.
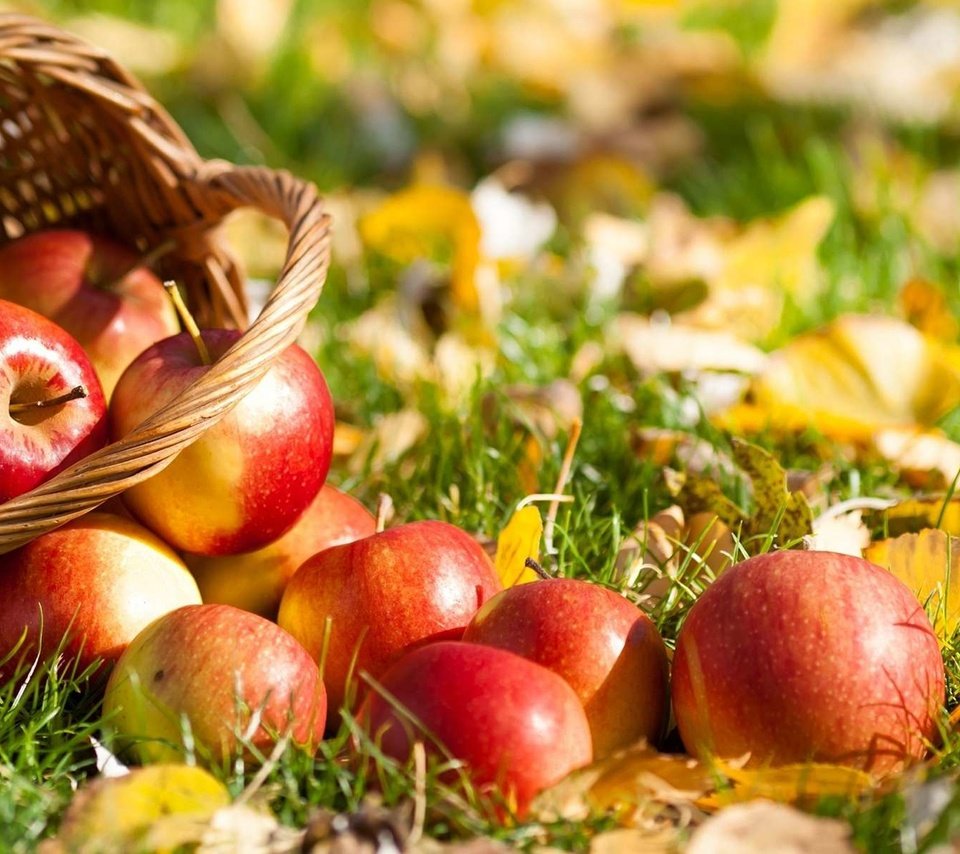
<point x="256" y="580"/>
<point x="99" y="290"/>
<point x="247" y="479"/>
<point x="797" y="656"/>
<point x="517" y="727"/>
<point x="239" y="680"/>
<point x="53" y="408"/>
<point x="85" y="590"/>
<point x="603" y="645"/>
<point x="359" y="606"/>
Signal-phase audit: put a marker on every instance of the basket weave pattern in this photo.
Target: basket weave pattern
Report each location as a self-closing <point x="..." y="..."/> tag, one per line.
<point x="82" y="144"/>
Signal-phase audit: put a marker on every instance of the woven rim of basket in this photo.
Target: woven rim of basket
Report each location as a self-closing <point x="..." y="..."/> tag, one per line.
<point x="153" y="445"/>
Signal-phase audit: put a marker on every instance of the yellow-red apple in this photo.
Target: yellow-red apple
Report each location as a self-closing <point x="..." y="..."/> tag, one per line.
<point x="382" y="595"/>
<point x="797" y="656"/>
<point x="240" y="682"/>
<point x="93" y="287"/>
<point x="91" y="585"/>
<point x="250" y="476"/>
<point x="606" y="648"/>
<point x="517" y="727"/>
<point x="255" y="580"/>
<point x="52" y="409"/>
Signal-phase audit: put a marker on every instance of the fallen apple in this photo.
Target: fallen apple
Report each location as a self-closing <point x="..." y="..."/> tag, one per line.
<point x="797" y="656"/>
<point x="95" y="288"/>
<point x="256" y="580"/>
<point x="86" y="589"/>
<point x="52" y="407"/>
<point x="517" y="727"/>
<point x="239" y="682"/>
<point x="361" y="605"/>
<point x="603" y="645"/>
<point x="247" y="479"/>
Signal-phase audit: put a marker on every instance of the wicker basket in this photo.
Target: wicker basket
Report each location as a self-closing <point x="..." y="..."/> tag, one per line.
<point x="83" y="144"/>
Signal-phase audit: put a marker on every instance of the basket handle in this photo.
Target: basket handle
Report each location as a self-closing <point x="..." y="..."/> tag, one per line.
<point x="154" y="443"/>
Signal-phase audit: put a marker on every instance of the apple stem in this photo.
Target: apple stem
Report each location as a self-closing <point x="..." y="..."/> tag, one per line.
<point x="76" y="393"/>
<point x="384" y="511"/>
<point x="188" y="322"/>
<point x="537" y="567"/>
<point x="551" y="519"/>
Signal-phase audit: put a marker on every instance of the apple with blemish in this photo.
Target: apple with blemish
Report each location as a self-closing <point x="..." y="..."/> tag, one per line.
<point x="238" y="680"/>
<point x="360" y="606"/>
<point x="809" y="656"/>
<point x="53" y="409"/>
<point x="99" y="290"/>
<point x="248" y="478"/>
<point x="255" y="580"/>
<point x="86" y="589"/>
<point x="603" y="645"/>
<point x="516" y="726"/>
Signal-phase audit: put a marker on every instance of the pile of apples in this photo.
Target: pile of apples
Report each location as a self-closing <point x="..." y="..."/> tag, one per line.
<point x="235" y="598"/>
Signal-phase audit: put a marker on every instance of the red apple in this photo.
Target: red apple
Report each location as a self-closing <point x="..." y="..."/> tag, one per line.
<point x="256" y="580"/>
<point x="250" y="476"/>
<point x="237" y="678"/>
<point x="799" y="656"/>
<point x="382" y="595"/>
<point x="94" y="288"/>
<point x="606" y="648"/>
<point x="53" y="408"/>
<point x="517" y="727"/>
<point x="96" y="581"/>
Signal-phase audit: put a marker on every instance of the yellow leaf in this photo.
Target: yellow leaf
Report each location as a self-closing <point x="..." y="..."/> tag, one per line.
<point x="519" y="540"/>
<point x="430" y="222"/>
<point x="924" y="305"/>
<point x="912" y="515"/>
<point x="769" y="260"/>
<point x="793" y="784"/>
<point x="118" y="814"/>
<point x="856" y="375"/>
<point x="929" y="564"/>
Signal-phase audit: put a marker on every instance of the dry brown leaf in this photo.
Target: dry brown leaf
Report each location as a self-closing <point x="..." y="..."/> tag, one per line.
<point x="927" y="562"/>
<point x="761" y="827"/>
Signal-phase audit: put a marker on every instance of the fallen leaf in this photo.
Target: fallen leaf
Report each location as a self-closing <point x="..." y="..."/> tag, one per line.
<point x="914" y="514"/>
<point x="760" y="827"/>
<point x="929" y="564"/>
<point x="672" y="347"/>
<point x="518" y="542"/>
<point x="926" y="459"/>
<point x="844" y="533"/>
<point x="512" y="226"/>
<point x="924" y="305"/>
<point x="777" y="512"/>
<point x="240" y="827"/>
<point x="430" y="222"/>
<point x="768" y="261"/>
<point x="798" y="784"/>
<point x="158" y="807"/>
<point x="853" y="377"/>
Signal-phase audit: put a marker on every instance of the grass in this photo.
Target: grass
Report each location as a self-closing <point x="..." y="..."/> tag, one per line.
<point x="760" y="158"/>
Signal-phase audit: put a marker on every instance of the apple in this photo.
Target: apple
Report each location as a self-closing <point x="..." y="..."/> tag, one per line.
<point x="247" y="479"/>
<point x="797" y="656"/>
<point x="239" y="680"/>
<point x="256" y="580"/>
<point x="54" y="412"/>
<point x="93" y="287"/>
<point x="86" y="589"/>
<point x="517" y="727"/>
<point x="382" y="595"/>
<point x="603" y="645"/>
